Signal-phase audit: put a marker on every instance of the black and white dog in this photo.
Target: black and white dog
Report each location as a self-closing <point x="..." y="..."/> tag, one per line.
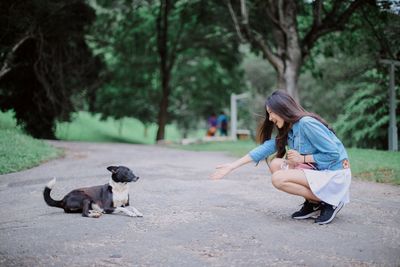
<point x="94" y="201"/>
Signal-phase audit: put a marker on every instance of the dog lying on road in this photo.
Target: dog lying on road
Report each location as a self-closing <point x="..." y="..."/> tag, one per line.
<point x="94" y="201"/>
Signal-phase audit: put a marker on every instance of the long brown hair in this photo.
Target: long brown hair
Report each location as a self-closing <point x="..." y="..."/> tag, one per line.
<point x="290" y="111"/>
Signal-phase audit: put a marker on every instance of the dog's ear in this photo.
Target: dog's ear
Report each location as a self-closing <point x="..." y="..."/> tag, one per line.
<point x="112" y="169"/>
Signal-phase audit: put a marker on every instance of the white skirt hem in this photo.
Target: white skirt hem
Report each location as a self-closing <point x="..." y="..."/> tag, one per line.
<point x="331" y="187"/>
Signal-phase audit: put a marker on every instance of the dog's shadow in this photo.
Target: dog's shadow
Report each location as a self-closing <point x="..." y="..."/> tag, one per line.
<point x="58" y="213"/>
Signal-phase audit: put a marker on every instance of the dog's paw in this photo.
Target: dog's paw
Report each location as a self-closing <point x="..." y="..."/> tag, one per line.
<point x="97" y="208"/>
<point x="94" y="214"/>
<point x="134" y="214"/>
<point x="131" y="214"/>
<point x="134" y="210"/>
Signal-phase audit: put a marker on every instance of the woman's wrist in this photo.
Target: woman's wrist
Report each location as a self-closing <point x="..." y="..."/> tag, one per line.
<point x="308" y="158"/>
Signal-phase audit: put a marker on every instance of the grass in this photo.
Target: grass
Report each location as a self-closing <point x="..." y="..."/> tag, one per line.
<point x="236" y="149"/>
<point x="19" y="151"/>
<point x="367" y="164"/>
<point x="375" y="165"/>
<point x="89" y="127"/>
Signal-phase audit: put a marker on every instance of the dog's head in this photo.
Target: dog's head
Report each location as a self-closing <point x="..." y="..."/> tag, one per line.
<point x="122" y="174"/>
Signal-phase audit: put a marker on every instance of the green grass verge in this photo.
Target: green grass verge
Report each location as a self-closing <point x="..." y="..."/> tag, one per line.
<point x="375" y="165"/>
<point x="88" y="127"/>
<point x="236" y="149"/>
<point x="367" y="164"/>
<point x="19" y="151"/>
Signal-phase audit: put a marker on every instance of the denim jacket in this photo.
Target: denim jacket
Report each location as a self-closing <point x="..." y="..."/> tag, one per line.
<point x="309" y="137"/>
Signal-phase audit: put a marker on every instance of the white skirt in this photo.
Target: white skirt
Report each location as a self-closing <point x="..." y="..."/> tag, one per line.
<point x="331" y="187"/>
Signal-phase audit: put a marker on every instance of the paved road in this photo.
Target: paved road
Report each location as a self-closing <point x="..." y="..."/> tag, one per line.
<point x="188" y="220"/>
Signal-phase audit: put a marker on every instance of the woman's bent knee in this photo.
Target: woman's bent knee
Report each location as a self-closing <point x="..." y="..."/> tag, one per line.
<point x="277" y="179"/>
<point x="275" y="165"/>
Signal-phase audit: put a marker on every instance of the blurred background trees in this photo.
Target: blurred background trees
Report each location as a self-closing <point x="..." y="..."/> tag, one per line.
<point x="164" y="61"/>
<point x="175" y="61"/>
<point x="46" y="65"/>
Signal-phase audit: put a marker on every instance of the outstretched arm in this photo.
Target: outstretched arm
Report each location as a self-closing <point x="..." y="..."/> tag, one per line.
<point x="224" y="169"/>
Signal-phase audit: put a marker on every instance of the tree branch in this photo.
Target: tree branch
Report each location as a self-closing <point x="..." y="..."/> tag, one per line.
<point x="235" y="21"/>
<point x="332" y="22"/>
<point x="278" y="22"/>
<point x="7" y="62"/>
<point x="317" y="8"/>
<point x="177" y="41"/>
<point x="383" y="42"/>
<point x="253" y="37"/>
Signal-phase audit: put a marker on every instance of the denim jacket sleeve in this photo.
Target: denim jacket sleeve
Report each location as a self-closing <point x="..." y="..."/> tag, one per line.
<point x="264" y="150"/>
<point x="326" y="150"/>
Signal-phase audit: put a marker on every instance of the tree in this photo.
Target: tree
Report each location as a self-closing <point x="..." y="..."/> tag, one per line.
<point x="44" y="61"/>
<point x="180" y="29"/>
<point x="365" y="119"/>
<point x="177" y="74"/>
<point x="272" y="27"/>
<point x="123" y="36"/>
<point x="202" y="85"/>
<point x="167" y="54"/>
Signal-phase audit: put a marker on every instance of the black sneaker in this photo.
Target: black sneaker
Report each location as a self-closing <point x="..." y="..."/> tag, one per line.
<point x="308" y="210"/>
<point x="328" y="212"/>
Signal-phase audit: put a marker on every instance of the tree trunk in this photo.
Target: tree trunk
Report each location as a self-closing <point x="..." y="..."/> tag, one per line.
<point x="288" y="78"/>
<point x="165" y="66"/>
<point x="289" y="57"/>
<point x="286" y="56"/>
<point x="163" y="111"/>
<point x="283" y="47"/>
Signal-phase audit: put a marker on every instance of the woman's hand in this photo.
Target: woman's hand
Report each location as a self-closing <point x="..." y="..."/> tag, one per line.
<point x="224" y="169"/>
<point x="294" y="156"/>
<point x="221" y="171"/>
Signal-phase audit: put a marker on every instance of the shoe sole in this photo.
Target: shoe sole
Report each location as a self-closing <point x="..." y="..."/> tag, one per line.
<point x="336" y="211"/>
<point x="312" y="214"/>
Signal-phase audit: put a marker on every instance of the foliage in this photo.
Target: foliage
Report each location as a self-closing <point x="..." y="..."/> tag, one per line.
<point x="89" y="127"/>
<point x="326" y="90"/>
<point x="203" y="86"/>
<point x="205" y="69"/>
<point x="285" y="32"/>
<point x="44" y="61"/>
<point x="121" y="36"/>
<point x="258" y="73"/>
<point x="366" y="115"/>
<point x="19" y="151"/>
<point x="345" y="78"/>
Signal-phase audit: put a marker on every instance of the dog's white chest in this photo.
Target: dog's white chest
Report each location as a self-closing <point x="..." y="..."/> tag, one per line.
<point x="120" y="194"/>
<point x="120" y="198"/>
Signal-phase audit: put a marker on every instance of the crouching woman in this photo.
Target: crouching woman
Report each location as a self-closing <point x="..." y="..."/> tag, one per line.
<point x="310" y="159"/>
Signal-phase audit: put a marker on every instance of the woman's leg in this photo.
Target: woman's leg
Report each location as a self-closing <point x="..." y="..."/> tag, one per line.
<point x="292" y="181"/>
<point x="275" y="165"/>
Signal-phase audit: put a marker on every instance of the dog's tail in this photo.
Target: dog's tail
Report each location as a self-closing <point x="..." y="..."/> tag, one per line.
<point x="46" y="194"/>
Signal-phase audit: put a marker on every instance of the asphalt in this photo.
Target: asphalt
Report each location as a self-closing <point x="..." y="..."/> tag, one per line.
<point x="189" y="220"/>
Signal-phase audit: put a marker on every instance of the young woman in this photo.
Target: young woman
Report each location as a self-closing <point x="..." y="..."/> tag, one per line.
<point x="316" y="165"/>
